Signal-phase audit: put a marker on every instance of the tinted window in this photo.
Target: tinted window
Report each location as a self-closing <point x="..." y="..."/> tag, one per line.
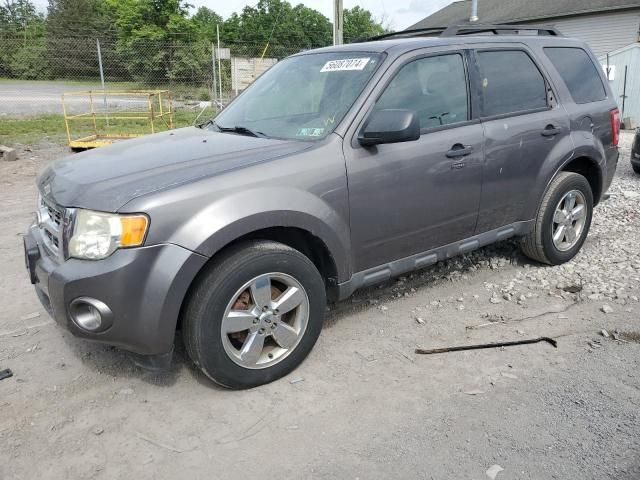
<point x="434" y="87"/>
<point x="578" y="72"/>
<point x="511" y="82"/>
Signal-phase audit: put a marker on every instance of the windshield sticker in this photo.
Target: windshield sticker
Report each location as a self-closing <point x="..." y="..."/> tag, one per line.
<point x="310" y="132"/>
<point x="345" y="64"/>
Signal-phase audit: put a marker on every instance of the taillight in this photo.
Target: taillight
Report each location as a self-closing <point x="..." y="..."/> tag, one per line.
<point x="615" y="126"/>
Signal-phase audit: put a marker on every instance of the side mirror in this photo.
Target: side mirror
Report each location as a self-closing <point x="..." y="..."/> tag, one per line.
<point x="390" y="126"/>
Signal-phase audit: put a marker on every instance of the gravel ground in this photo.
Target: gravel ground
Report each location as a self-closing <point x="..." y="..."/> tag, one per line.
<point x="363" y="405"/>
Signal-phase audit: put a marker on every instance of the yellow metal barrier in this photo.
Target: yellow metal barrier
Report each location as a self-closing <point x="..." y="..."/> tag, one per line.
<point x="114" y="115"/>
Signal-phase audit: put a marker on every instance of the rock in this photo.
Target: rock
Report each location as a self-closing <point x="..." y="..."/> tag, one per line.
<point x="383" y="308"/>
<point x="97" y="430"/>
<point x="493" y="471"/>
<point x="507" y="296"/>
<point x="8" y="154"/>
<point x="604" y="333"/>
<point x="460" y="307"/>
<point x="606" y="308"/>
<point x="495" y="300"/>
<point x="420" y="320"/>
<point x="630" y="195"/>
<point x="474" y="392"/>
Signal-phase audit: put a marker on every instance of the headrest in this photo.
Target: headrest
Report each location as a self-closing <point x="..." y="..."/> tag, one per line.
<point x="437" y="83"/>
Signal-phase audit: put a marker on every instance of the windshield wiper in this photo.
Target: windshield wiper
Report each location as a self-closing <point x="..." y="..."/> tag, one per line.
<point x="239" y="129"/>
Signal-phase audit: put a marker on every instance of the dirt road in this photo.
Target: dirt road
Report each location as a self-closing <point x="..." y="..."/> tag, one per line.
<point x="363" y="405"/>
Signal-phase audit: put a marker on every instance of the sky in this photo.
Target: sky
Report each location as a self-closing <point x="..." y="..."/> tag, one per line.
<point x="398" y="14"/>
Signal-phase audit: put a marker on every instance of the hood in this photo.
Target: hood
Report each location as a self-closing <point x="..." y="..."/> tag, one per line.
<point x="107" y="178"/>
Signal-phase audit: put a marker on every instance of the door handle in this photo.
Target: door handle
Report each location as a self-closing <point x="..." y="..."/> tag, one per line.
<point x="459" y="150"/>
<point x="551" y="131"/>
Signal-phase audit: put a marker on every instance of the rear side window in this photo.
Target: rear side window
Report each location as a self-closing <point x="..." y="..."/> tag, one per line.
<point x="578" y="72"/>
<point x="511" y="83"/>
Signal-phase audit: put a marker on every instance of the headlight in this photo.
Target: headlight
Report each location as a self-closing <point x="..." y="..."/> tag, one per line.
<point x="97" y="235"/>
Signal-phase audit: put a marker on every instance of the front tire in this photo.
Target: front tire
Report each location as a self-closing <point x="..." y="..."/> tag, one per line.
<point x="254" y="314"/>
<point x="636" y="168"/>
<point x="562" y="222"/>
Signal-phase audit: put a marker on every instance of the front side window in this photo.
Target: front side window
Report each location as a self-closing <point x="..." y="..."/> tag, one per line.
<point x="578" y="72"/>
<point x="303" y="97"/>
<point x="510" y="83"/>
<point x="435" y="88"/>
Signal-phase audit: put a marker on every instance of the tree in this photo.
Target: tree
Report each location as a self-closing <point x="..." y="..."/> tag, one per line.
<point x="206" y="21"/>
<point x="74" y="18"/>
<point x="278" y="23"/>
<point x="360" y="24"/>
<point x="72" y="29"/>
<point x="22" y="51"/>
<point x="154" y="37"/>
<point x="18" y="16"/>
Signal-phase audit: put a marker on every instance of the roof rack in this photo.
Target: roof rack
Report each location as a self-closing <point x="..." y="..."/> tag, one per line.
<point x="416" y="32"/>
<point x="459" y="30"/>
<point x="499" y="30"/>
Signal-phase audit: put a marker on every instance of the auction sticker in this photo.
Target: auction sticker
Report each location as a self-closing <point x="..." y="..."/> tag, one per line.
<point x="345" y="64"/>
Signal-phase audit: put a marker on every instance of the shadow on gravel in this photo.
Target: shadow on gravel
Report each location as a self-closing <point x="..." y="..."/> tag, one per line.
<point x="491" y="257"/>
<point x="112" y="361"/>
<point x="108" y="360"/>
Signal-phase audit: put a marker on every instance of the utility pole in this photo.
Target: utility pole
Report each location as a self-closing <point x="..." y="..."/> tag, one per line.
<point x="219" y="64"/>
<point x="474" y="11"/>
<point x="102" y="78"/>
<point x="338" y="22"/>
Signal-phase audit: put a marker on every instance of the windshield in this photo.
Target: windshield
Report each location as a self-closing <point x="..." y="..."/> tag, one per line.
<point x="302" y="97"/>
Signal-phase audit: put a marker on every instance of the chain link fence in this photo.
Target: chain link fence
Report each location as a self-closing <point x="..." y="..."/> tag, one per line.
<point x="34" y="73"/>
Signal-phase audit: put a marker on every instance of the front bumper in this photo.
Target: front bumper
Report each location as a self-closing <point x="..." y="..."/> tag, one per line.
<point x="144" y="288"/>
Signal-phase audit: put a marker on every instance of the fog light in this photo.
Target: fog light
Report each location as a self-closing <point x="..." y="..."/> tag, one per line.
<point x="90" y="314"/>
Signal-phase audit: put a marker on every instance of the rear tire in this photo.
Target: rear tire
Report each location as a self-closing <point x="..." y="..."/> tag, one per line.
<point x="254" y="314"/>
<point x="562" y="222"/>
<point x="636" y="168"/>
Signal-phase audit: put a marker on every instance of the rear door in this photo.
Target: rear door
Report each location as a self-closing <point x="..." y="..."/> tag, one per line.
<point x="406" y="198"/>
<point x="522" y="124"/>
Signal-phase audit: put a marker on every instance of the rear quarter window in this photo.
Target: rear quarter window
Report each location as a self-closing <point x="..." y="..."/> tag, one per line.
<point x="578" y="73"/>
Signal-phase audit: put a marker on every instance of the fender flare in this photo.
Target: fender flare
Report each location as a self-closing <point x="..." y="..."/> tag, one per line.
<point x="235" y="216"/>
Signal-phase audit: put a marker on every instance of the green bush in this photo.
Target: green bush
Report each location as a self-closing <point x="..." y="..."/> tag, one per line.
<point x="30" y="62"/>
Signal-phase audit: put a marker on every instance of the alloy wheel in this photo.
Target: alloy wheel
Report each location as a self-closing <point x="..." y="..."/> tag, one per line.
<point x="265" y="320"/>
<point x="569" y="219"/>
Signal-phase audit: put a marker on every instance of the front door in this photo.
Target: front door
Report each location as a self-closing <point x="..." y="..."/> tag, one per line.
<point x="409" y="197"/>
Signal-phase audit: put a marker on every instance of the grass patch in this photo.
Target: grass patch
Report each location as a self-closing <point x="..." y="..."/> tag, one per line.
<point x="178" y="91"/>
<point x="76" y="83"/>
<point x="51" y="128"/>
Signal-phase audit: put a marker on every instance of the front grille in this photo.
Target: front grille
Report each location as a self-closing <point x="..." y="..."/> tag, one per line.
<point x="51" y="225"/>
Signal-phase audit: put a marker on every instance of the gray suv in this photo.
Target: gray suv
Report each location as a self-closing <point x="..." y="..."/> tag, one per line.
<point x="337" y="169"/>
